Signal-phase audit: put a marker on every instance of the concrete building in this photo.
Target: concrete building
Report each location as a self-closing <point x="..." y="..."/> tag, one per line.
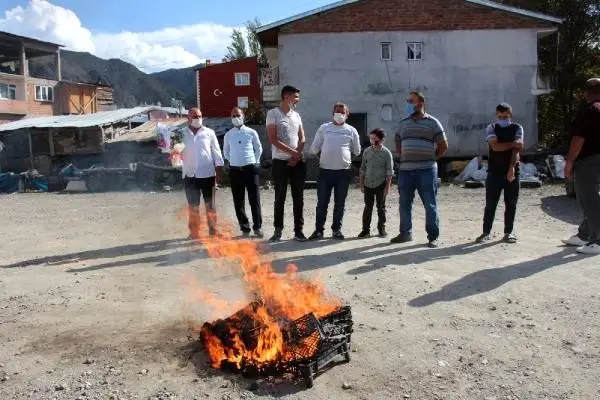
<point x="466" y="56"/>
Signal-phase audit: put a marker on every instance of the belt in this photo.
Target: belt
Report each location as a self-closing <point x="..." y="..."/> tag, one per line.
<point x="249" y="166"/>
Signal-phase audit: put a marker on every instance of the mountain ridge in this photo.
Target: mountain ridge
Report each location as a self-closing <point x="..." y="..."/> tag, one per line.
<point x="131" y="86"/>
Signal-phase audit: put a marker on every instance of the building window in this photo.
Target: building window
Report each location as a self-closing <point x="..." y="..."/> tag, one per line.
<point x="44" y="93"/>
<point x="8" y="91"/>
<point x="414" y="51"/>
<point x="242" y="79"/>
<point x="386" y="51"/>
<point x="242" y="102"/>
<point x="387" y="112"/>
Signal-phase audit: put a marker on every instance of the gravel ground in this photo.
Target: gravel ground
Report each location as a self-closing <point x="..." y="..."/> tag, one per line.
<point x="93" y="303"/>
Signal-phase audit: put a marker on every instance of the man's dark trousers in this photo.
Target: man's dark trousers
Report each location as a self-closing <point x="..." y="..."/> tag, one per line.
<point x="283" y="175"/>
<point x="245" y="179"/>
<point x="374" y="196"/>
<point x="587" y="187"/>
<point x="194" y="188"/>
<point x="494" y="185"/>
<point x="338" y="181"/>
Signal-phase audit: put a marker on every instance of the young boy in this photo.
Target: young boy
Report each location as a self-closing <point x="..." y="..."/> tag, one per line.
<point x="376" y="173"/>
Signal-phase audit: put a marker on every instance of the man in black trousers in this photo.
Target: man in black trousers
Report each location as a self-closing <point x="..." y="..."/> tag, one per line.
<point x="505" y="140"/>
<point x="202" y="163"/>
<point x="242" y="148"/>
<point x="286" y="135"/>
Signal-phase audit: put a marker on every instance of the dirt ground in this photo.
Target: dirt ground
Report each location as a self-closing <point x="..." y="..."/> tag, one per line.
<point x="93" y="302"/>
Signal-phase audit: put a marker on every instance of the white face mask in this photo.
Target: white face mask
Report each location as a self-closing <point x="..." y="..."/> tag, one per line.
<point x="237" y="121"/>
<point x="196" y="123"/>
<point x="339" y="118"/>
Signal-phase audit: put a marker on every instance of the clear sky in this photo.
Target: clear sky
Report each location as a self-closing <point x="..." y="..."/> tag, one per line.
<point x="152" y="35"/>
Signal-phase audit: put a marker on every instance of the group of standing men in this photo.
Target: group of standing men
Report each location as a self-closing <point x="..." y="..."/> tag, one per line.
<point x="420" y="142"/>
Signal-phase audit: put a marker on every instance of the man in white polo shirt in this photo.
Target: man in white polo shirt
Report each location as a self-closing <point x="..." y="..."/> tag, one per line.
<point x="336" y="142"/>
<point x="202" y="163"/>
<point x="242" y="148"/>
<point x="286" y="135"/>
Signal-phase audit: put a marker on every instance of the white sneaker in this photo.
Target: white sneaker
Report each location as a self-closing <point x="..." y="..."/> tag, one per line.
<point x="574" y="241"/>
<point x="590" y="248"/>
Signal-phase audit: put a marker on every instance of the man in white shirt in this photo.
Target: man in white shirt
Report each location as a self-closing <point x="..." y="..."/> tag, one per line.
<point x="286" y="135"/>
<point x="336" y="142"/>
<point x="242" y="148"/>
<point x="202" y="163"/>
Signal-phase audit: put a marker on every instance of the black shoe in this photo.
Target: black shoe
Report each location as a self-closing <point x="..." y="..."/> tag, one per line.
<point x="276" y="236"/>
<point x="245" y="233"/>
<point x="401" y="239"/>
<point x="338" y="235"/>
<point x="510" y="238"/>
<point x="299" y="236"/>
<point x="484" y="237"/>
<point x="364" y="234"/>
<point x="316" y="235"/>
<point x="382" y="233"/>
<point x="259" y="234"/>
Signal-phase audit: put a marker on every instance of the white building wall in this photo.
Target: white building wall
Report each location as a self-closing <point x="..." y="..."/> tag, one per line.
<point x="463" y="74"/>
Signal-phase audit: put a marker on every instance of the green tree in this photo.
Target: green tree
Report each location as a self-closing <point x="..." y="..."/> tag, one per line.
<point x="237" y="48"/>
<point x="569" y="58"/>
<point x="254" y="45"/>
<point x="248" y="46"/>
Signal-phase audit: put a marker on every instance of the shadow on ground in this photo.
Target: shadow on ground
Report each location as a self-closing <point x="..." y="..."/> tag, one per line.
<point x="489" y="279"/>
<point x="111" y="252"/>
<point x="160" y="260"/>
<point x="562" y="208"/>
<point x="380" y="255"/>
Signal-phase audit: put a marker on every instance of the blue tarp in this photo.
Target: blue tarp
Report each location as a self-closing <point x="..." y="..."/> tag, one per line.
<point x="9" y="183"/>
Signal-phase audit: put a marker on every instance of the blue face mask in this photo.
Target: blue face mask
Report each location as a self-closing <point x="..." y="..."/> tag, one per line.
<point x="504" y="122"/>
<point x="409" y="109"/>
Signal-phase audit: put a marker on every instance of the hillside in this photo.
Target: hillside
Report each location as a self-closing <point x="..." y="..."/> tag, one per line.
<point x="183" y="80"/>
<point x="131" y="86"/>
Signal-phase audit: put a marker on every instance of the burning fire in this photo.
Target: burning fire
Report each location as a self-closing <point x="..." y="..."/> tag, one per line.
<point x="281" y="299"/>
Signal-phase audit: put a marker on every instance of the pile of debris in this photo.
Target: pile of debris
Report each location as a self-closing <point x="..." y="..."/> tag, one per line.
<point x="531" y="176"/>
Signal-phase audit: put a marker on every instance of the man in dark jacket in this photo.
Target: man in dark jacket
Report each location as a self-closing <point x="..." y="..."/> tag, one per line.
<point x="505" y="140"/>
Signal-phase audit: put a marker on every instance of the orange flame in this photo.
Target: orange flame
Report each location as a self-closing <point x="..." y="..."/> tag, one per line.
<point x="285" y="297"/>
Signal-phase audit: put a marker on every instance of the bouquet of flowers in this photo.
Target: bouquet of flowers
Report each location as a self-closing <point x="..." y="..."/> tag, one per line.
<point x="170" y="142"/>
<point x="177" y="147"/>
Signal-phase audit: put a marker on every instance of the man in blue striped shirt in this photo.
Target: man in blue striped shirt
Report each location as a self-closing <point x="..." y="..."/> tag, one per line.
<point x="242" y="148"/>
<point x="420" y="142"/>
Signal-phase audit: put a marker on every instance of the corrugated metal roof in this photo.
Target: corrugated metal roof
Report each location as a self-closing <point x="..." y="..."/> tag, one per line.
<point x="173" y="110"/>
<point x="77" y="121"/>
<point x="30" y="39"/>
<point x="487" y="3"/>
